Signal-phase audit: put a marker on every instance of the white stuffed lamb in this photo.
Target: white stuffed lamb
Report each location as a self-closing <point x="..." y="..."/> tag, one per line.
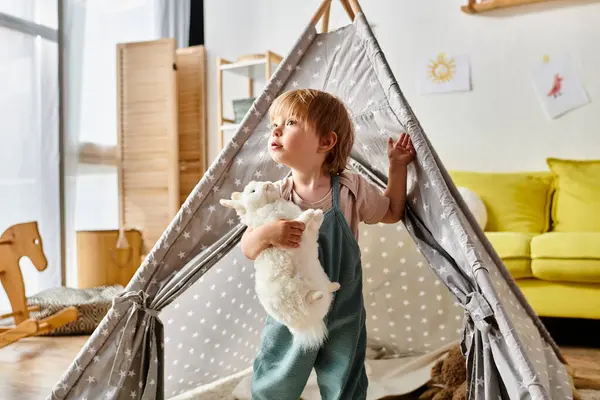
<point x="290" y="283"/>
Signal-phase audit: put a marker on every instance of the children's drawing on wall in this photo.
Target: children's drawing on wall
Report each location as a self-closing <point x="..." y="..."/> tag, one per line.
<point x="444" y="73"/>
<point x="558" y="86"/>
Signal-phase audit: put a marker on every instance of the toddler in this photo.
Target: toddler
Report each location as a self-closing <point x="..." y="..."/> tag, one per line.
<point x="312" y="134"/>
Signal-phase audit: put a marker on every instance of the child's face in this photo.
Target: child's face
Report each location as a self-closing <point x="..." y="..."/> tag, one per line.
<point x="293" y="145"/>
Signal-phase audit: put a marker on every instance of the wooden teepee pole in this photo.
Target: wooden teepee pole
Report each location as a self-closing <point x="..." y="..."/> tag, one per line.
<point x="348" y="9"/>
<point x="325" y="19"/>
<point x="354" y="6"/>
<point x="351" y="6"/>
<point x="320" y="11"/>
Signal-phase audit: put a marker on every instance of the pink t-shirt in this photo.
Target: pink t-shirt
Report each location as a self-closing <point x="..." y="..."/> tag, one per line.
<point x="359" y="200"/>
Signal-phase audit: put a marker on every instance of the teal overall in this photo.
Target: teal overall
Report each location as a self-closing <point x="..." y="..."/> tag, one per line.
<point x="281" y="369"/>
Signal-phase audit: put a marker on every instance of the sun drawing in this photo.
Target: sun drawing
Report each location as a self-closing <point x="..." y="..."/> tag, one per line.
<point x="442" y="69"/>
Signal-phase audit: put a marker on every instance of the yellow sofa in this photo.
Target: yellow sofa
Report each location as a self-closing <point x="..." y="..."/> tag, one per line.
<point x="546" y="228"/>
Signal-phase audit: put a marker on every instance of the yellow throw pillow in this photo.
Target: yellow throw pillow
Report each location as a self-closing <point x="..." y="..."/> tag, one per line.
<point x="515" y="202"/>
<point x="576" y="199"/>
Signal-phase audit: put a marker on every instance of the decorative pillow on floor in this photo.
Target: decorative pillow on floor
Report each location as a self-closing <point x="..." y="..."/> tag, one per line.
<point x="92" y="305"/>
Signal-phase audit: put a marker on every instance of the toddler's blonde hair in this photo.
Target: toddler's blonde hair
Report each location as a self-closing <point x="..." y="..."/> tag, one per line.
<point x="324" y="113"/>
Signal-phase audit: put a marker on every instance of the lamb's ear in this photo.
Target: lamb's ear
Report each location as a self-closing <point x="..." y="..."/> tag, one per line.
<point x="277" y="185"/>
<point x="237" y="205"/>
<point x="236" y="195"/>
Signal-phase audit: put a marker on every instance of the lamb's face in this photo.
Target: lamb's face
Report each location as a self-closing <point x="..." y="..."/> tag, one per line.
<point x="259" y="194"/>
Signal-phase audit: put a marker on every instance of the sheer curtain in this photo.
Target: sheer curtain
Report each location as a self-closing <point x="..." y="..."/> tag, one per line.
<point x="29" y="115"/>
<point x="95" y="28"/>
<point x="29" y="154"/>
<point x="174" y="20"/>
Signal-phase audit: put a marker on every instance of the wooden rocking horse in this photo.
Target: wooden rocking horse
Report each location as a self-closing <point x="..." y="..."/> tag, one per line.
<point x="23" y="240"/>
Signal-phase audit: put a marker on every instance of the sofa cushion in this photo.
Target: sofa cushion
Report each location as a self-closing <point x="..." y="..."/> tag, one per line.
<point x="557" y="270"/>
<point x="566" y="245"/>
<point x="513" y="249"/>
<point x="576" y="195"/>
<point x="566" y="256"/>
<point x="519" y="268"/>
<point x="562" y="299"/>
<point x="515" y="202"/>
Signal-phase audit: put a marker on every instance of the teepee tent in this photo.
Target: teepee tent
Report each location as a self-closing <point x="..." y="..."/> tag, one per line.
<point x="190" y="318"/>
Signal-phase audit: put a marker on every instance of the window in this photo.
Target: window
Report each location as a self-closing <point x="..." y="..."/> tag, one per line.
<point x="29" y="154"/>
<point x="106" y="23"/>
<point x="29" y="118"/>
<point x="41" y="12"/>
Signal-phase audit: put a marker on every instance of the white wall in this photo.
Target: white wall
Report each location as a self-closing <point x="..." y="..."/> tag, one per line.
<point x="497" y="126"/>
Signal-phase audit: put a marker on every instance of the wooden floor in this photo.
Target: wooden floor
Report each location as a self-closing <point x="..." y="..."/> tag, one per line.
<point x="584" y="365"/>
<point x="30" y="368"/>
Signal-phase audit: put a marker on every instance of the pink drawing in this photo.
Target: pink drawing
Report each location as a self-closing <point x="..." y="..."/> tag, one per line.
<point x="556" y="86"/>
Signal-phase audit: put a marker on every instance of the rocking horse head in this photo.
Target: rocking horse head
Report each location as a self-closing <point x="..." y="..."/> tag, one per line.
<point x="25" y="241"/>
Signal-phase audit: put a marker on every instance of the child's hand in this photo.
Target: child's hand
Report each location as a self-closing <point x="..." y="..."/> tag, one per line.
<point x="284" y="233"/>
<point x="402" y="152"/>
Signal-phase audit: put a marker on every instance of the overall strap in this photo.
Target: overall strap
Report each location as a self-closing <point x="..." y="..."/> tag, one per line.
<point x="335" y="181"/>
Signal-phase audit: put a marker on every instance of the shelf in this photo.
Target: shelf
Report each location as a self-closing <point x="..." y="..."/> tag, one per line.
<point x="253" y="69"/>
<point x="229" y="127"/>
<point x="489" y="5"/>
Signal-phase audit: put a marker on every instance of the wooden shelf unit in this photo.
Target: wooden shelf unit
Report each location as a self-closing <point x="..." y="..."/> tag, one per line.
<point x="474" y="7"/>
<point x="255" y="68"/>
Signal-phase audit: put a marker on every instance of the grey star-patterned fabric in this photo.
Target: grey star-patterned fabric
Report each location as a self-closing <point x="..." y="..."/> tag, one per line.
<point x="190" y="317"/>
